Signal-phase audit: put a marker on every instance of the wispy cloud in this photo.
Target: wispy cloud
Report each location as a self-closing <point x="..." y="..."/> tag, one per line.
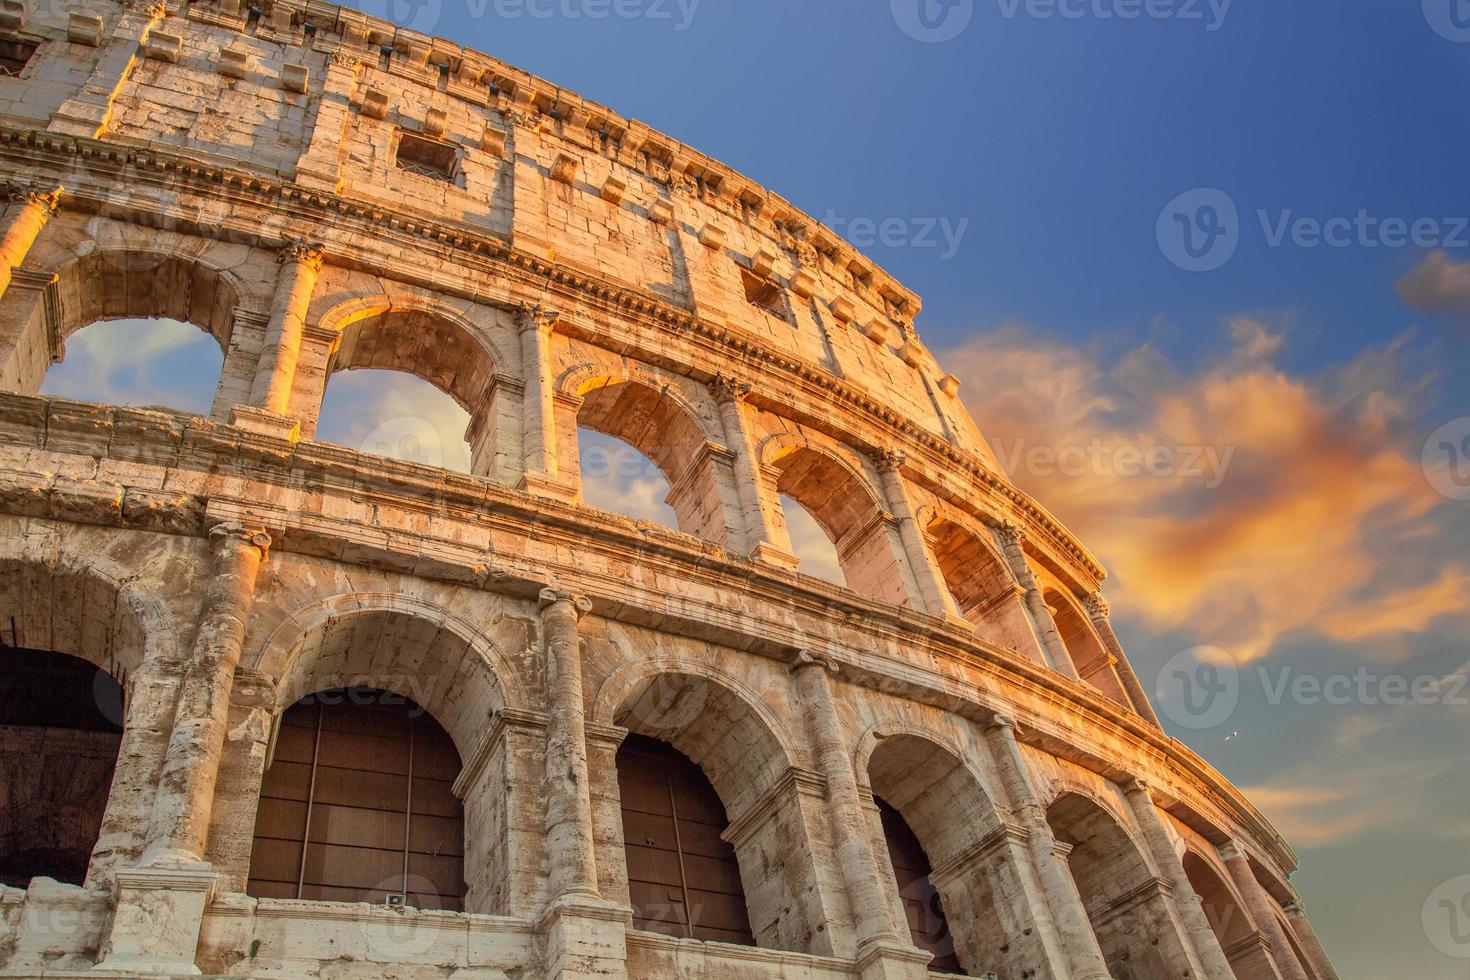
<point x="1438" y="284"/>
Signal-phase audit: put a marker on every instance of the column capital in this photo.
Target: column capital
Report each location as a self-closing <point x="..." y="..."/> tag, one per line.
<point x="241" y="534"/>
<point x="343" y="59"/>
<point x="43" y="195"/>
<point x="552" y="596"/>
<point x="1135" y="786"/>
<point x="1010" y="533"/>
<point x="1229" y="851"/>
<point x="534" y="316"/>
<point x="727" y="389"/>
<point x="1001" y="723"/>
<point x="1097" y="605"/>
<point x="302" y="251"/>
<point x="891" y="460"/>
<point x="814" y="658"/>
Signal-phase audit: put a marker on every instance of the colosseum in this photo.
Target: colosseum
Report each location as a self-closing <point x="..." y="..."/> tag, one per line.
<point x="275" y="708"/>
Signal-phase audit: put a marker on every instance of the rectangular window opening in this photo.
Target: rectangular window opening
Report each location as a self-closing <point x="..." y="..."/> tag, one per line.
<point x="427" y="158"/>
<point x="763" y="294"/>
<point x="15" y="55"/>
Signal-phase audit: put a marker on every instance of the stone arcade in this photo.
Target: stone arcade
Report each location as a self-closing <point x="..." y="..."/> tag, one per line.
<point x="376" y="719"/>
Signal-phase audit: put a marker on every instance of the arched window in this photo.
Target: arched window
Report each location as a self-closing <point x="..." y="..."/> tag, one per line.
<point x="357" y="805"/>
<point x="923" y="909"/>
<point x="848" y="512"/>
<point x="1229" y="921"/>
<point x="983" y="588"/>
<point x="1088" y="655"/>
<point x="618" y="478"/>
<point x="389" y="413"/>
<point x="139" y="362"/>
<point x="60" y="729"/>
<point x="810" y="544"/>
<point x="683" y="877"/>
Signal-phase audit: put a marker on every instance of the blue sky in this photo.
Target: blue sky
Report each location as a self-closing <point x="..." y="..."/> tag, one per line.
<point x="1037" y="154"/>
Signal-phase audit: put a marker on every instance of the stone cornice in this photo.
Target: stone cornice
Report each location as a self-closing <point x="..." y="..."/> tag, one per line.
<point x="724" y="341"/>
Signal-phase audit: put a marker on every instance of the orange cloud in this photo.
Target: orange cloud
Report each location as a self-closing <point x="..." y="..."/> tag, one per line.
<point x="1267" y="488"/>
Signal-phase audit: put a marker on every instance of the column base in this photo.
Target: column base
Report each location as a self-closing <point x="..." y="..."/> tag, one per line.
<point x="772" y="555"/>
<point x="544" y="485"/>
<point x="586" y="939"/>
<point x="155" y="928"/>
<point x="264" y="423"/>
<point x="892" y="961"/>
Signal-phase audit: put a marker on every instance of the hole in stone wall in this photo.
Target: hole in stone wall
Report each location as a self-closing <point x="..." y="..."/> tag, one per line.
<point x="147" y="362"/>
<point x="810" y="543"/>
<point x="618" y="478"/>
<point x="426" y="157"/>
<point x="15" y="54"/>
<point x="393" y="414"/>
<point x="763" y="294"/>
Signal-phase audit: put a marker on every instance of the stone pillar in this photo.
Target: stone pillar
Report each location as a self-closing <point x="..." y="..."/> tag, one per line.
<point x="32" y="208"/>
<point x="760" y="539"/>
<point x="1068" y="917"/>
<point x="585" y="936"/>
<point x="881" y="952"/>
<point x="160" y="904"/>
<point x="270" y="394"/>
<point x="932" y="588"/>
<point x="1097" y="610"/>
<point x="1202" y="938"/>
<point x="1258" y="905"/>
<point x="320" y="166"/>
<point x="179" y="825"/>
<point x="1011" y="536"/>
<point x="88" y="114"/>
<point x="1307" y="938"/>
<point x="569" y="839"/>
<point x="538" y="439"/>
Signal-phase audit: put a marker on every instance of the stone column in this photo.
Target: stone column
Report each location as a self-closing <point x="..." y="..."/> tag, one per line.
<point x="881" y="952"/>
<point x="538" y="438"/>
<point x="1307" y="937"/>
<point x="320" y="167"/>
<point x="33" y="207"/>
<point x="160" y="904"/>
<point x="88" y="114"/>
<point x="1011" y="536"/>
<point x="760" y="539"/>
<point x="1068" y="917"/>
<point x="569" y="839"/>
<point x="180" y="822"/>
<point x="1097" y="610"/>
<point x="1191" y="913"/>
<point x="932" y="588"/>
<point x="1258" y="906"/>
<point x="276" y="370"/>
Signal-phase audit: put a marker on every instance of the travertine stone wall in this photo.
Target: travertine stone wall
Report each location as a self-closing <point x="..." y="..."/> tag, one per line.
<point x="242" y="172"/>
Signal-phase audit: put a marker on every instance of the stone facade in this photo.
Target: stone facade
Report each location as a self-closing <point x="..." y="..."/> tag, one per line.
<point x="321" y="191"/>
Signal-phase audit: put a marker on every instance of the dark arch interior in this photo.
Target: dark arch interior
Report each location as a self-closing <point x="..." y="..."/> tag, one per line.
<point x="922" y="907"/>
<point x="683" y="877"/>
<point x="357" y="805"/>
<point x="60" y="730"/>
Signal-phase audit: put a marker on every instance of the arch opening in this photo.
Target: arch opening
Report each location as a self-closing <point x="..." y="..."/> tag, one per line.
<point x="683" y="876"/>
<point x="392" y="414"/>
<point x="982" y="586"/>
<point x="815" y="552"/>
<point x="1094" y="664"/>
<point x="1126" y="905"/>
<point x="357" y="806"/>
<point x="155" y="363"/>
<point x="1230" y="923"/>
<point x="119" y="285"/>
<point x="846" y="510"/>
<point x="645" y="440"/>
